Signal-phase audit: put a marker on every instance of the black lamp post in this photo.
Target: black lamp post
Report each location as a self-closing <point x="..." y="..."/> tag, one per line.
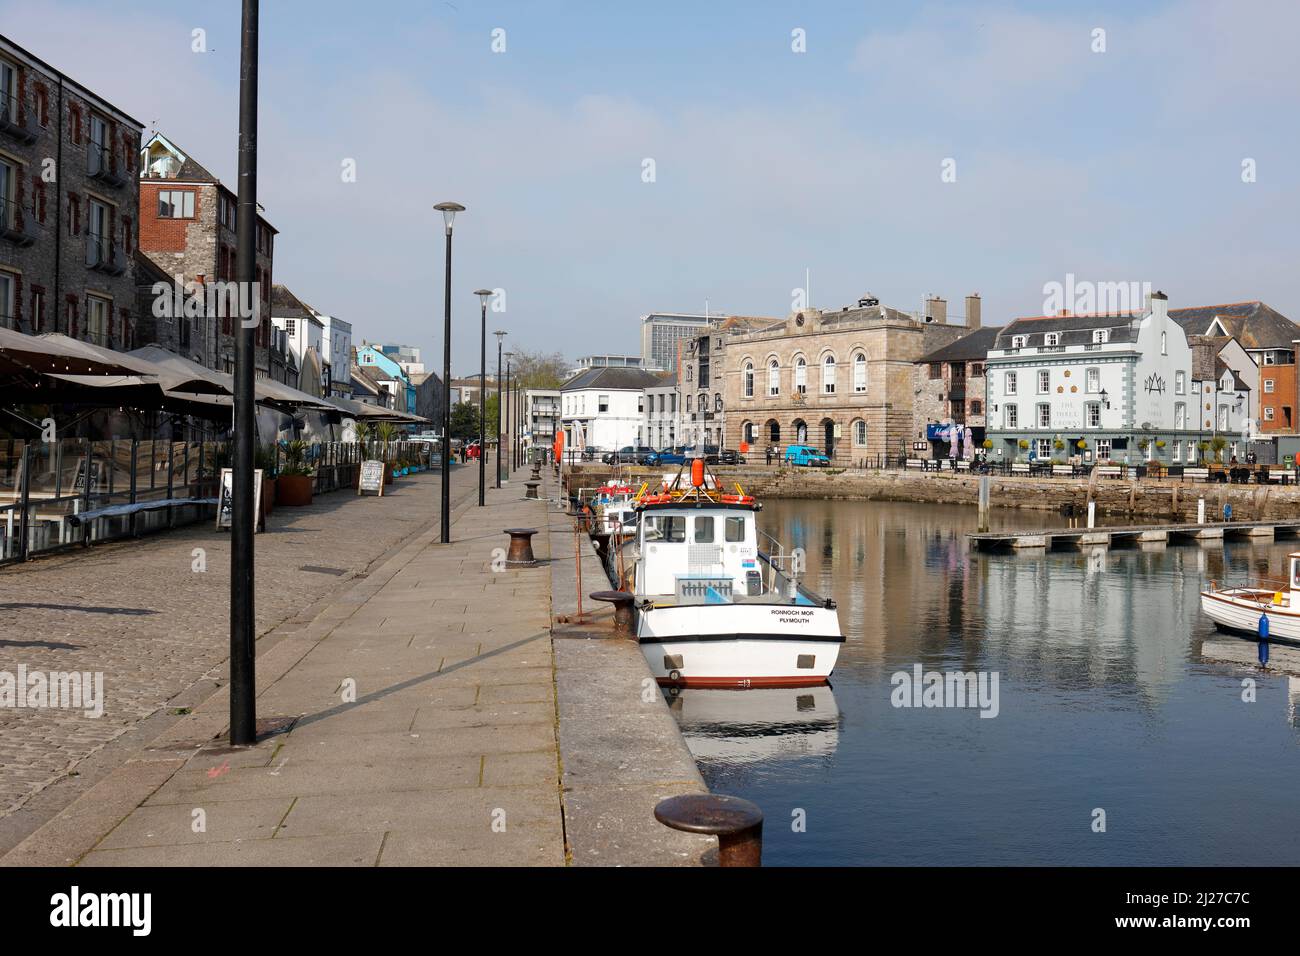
<point x="448" y="210"/>
<point x="500" y="442"/>
<point x="509" y="434"/>
<point x="243" y="701"/>
<point x="482" y="394"/>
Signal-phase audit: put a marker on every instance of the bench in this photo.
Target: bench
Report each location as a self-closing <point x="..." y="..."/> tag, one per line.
<point x="1062" y="471"/>
<point x="112" y="511"/>
<point x="1110" y="471"/>
<point x="1196" y="474"/>
<point x="1019" y="468"/>
<point x="963" y="464"/>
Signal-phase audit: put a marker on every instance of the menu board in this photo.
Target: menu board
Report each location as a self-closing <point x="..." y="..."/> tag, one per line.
<point x="226" y="499"/>
<point x="372" y="477"/>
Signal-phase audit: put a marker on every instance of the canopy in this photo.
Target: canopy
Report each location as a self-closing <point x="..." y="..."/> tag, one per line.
<point x="373" y="413"/>
<point x="58" y="354"/>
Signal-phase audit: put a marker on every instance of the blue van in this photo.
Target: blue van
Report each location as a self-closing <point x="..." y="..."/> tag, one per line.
<point x="805" y="455"/>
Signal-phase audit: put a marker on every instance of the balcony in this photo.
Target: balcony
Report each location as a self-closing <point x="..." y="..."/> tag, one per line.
<point x="13" y="224"/>
<point x="15" y="122"/>
<point x="1050" y="348"/>
<point x="99" y="164"/>
<point x="105" y="255"/>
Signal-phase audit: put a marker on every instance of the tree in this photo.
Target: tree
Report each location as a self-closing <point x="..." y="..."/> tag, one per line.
<point x="464" y="420"/>
<point x="537" y="369"/>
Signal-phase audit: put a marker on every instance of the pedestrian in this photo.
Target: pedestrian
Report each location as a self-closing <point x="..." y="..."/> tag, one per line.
<point x="769" y="454"/>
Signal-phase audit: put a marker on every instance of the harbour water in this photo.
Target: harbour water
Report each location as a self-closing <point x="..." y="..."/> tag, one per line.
<point x="1103" y="706"/>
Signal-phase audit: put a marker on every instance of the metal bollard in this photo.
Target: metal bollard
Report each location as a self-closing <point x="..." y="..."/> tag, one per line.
<point x="520" y="554"/>
<point x="531" y="487"/>
<point x="622" y="601"/>
<point x="737" y="823"/>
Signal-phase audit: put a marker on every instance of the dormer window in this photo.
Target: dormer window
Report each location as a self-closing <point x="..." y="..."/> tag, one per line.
<point x="1052" y="338"/>
<point x="1017" y="341"/>
<point x="1100" y="336"/>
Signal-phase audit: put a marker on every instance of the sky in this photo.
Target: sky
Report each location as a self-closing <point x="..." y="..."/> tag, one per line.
<point x="908" y="149"/>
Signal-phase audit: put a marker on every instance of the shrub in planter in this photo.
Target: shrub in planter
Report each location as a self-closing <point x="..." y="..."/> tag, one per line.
<point x="297" y="477"/>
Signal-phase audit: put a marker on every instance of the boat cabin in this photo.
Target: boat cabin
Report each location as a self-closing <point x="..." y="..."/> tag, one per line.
<point x="698" y="552"/>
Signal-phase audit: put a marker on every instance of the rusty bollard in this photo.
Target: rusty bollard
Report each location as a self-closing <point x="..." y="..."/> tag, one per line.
<point x="737" y="823"/>
<point x="532" y="488"/>
<point x="520" y="554"/>
<point x="622" y="601"/>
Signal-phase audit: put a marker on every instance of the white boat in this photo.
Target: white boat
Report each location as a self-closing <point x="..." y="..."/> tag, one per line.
<point x="758" y="725"/>
<point x="612" y="504"/>
<point x="1238" y="609"/>
<point x="713" y="610"/>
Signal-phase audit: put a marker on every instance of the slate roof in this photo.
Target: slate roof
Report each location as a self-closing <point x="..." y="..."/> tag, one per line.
<point x="1253" y="324"/>
<point x="972" y="347"/>
<point x="614" y="378"/>
<point x="286" y="305"/>
<point x="1074" y="329"/>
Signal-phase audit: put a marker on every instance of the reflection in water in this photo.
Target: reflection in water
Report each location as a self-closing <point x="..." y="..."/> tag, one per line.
<point x="1104" y="704"/>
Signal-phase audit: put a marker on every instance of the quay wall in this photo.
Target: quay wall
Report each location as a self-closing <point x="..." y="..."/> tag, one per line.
<point x="1140" y="499"/>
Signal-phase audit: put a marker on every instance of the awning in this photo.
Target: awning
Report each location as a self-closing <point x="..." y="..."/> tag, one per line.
<point x="58" y="354"/>
<point x="179" y="374"/>
<point x="373" y="413"/>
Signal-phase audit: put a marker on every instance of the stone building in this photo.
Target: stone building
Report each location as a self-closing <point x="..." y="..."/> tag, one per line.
<point x="704" y="410"/>
<point x="187" y="227"/>
<point x="948" y="389"/>
<point x="68" y="199"/>
<point x="841" y="381"/>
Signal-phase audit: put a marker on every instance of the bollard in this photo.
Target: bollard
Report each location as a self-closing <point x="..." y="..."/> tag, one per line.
<point x="1092" y="515"/>
<point x="1263" y="640"/>
<point x="737" y="823"/>
<point x="520" y="554"/>
<point x="531" y="487"/>
<point x="984" y="503"/>
<point x="622" y="601"/>
<point x="1200" y="511"/>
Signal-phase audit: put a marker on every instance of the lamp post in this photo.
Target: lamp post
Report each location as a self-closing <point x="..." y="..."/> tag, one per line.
<point x="500" y="442"/>
<point x="482" y="394"/>
<point x="509" y="434"/>
<point x="243" y="701"/>
<point x="448" y="210"/>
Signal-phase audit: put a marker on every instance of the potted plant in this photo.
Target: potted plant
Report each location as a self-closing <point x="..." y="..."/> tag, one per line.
<point x="264" y="457"/>
<point x="1218" y="444"/>
<point x="297" y="477"/>
<point x="387" y="433"/>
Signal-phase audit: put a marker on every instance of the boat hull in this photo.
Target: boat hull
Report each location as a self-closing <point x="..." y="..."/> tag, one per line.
<point x="1239" y="614"/>
<point x="740" y="645"/>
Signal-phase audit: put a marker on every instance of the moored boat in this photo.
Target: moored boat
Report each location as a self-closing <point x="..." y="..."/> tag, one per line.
<point x="1239" y="609"/>
<point x="713" y="608"/>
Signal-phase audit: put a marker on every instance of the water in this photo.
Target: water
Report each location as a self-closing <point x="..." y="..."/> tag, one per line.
<point x="1103" y="704"/>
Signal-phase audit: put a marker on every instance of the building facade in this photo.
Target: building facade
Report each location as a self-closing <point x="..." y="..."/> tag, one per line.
<point x="703" y="372"/>
<point x="390" y="374"/>
<point x="948" y="385"/>
<point x="1119" y="384"/>
<point x="841" y="381"/>
<point x="338" y="355"/>
<point x="304" y="337"/>
<point x="604" y="408"/>
<point x="187" y="222"/>
<point x="663" y="417"/>
<point x="68" y="201"/>
<point x="662" y="336"/>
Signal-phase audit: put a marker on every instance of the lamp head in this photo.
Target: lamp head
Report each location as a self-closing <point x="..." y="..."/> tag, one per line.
<point x="449" y="210"/>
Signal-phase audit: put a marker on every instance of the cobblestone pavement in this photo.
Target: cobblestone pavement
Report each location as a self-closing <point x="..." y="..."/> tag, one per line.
<point x="140" y="613"/>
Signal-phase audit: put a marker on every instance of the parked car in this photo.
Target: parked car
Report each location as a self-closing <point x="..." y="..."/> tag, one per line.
<point x="589" y="453"/>
<point x="729" y="456"/>
<point x="616" y="457"/>
<point x="669" y="456"/>
<point x="708" y="452"/>
<point x="805" y="455"/>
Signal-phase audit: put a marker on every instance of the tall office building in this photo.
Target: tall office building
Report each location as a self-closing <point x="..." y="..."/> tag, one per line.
<point x="662" y="331"/>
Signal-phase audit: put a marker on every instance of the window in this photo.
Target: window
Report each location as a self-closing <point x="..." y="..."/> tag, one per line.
<point x="1052" y="338"/>
<point x="602" y="403"/>
<point x="773" y="378"/>
<point x="1011" y="383"/>
<point x="97" y="235"/>
<point x="1044" y="381"/>
<point x="828" y="375"/>
<point x="176" y="204"/>
<point x="859" y="373"/>
<point x="37" y="318"/>
<point x="749" y="380"/>
<point x="977" y="370"/>
<point x="1017" y="341"/>
<point x="291" y="327"/>
<point x="1044" y="447"/>
<point x="8" y="205"/>
<point x="99" y="148"/>
<point x="690" y="373"/>
<point x="735" y="529"/>
<point x="801" y="376"/>
<point x="674" y="402"/>
<point x="1268" y="386"/>
<point x="97" y="315"/>
<point x="1268" y="413"/>
<point x="1180" y="415"/>
<point x="747" y="434"/>
<point x="704" y="530"/>
<point x="640" y="403"/>
<point x="7" y="292"/>
<point x="717" y="401"/>
<point x="1180" y="383"/>
<point x="670" y="528"/>
<point x="1177" y="449"/>
<point x="1012" y="415"/>
<point x="1092" y="414"/>
<point x="977" y="407"/>
<point x="1044" y="415"/>
<point x="936" y="370"/>
<point x="1100" y="336"/>
<point x="1092" y="381"/>
<point x="8" y="91"/>
<point x="1103" y="449"/>
<point x="1164" y="343"/>
<point x="860" y="433"/>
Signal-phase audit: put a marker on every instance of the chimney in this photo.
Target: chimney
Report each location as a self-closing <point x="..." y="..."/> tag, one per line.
<point x="973" y="311"/>
<point x="936" y="310"/>
<point x="1160" y="306"/>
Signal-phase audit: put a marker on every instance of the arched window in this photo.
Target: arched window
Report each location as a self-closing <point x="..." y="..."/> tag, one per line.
<point x="702" y="403"/>
<point x="749" y="379"/>
<point x="828" y="375"/>
<point x="860" y="375"/>
<point x="747" y="433"/>
<point x="800" y="431"/>
<point x="860" y="433"/>
<point x="717" y="402"/>
<point x="773" y="432"/>
<point x="801" y="376"/>
<point x="773" y="378"/>
<point x="690" y="372"/>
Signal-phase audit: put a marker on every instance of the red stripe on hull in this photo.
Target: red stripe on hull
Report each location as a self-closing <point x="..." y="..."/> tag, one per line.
<point x="733" y="682"/>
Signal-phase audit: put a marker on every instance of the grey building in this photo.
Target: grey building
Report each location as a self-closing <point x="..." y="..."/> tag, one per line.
<point x="662" y="334"/>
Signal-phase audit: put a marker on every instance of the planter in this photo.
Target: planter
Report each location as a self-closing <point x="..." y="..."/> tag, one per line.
<point x="294" y="491"/>
<point x="388" y="474"/>
<point x="268" y="496"/>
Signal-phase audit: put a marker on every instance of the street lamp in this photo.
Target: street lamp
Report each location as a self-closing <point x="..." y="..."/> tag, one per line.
<point x="448" y="210"/>
<point x="482" y="393"/>
<point x="500" y="444"/>
<point x="509" y="357"/>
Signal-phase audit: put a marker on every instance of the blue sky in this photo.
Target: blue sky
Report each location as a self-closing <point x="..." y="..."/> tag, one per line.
<point x="1115" y="166"/>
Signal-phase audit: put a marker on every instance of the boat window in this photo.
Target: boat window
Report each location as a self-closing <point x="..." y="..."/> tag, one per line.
<point x="666" y="528"/>
<point x="1295" y="573"/>
<point x="704" y="530"/>
<point x="735" y="529"/>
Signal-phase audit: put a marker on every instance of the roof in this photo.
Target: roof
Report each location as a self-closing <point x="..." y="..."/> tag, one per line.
<point x="286" y="305"/>
<point x="1253" y="324"/>
<point x="148" y="272"/>
<point x="612" y="377"/>
<point x="69" y="81"/>
<point x="1074" y="329"/>
<point x="973" y="347"/>
<point x="665" y="381"/>
<point x="193" y="172"/>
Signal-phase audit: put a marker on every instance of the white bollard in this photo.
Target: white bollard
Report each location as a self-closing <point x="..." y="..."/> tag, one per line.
<point x="1092" y="514"/>
<point x="1200" y="511"/>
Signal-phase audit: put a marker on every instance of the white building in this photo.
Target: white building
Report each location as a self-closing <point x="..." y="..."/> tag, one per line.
<point x="304" y="338"/>
<point x="663" y="415"/>
<point x="1120" y="384"/>
<point x="338" y="346"/>
<point x="604" y="408"/>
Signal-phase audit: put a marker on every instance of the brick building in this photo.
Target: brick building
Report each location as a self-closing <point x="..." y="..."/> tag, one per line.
<point x="68" y="200"/>
<point x="841" y="381"/>
<point x="948" y="387"/>
<point x="187" y="228"/>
